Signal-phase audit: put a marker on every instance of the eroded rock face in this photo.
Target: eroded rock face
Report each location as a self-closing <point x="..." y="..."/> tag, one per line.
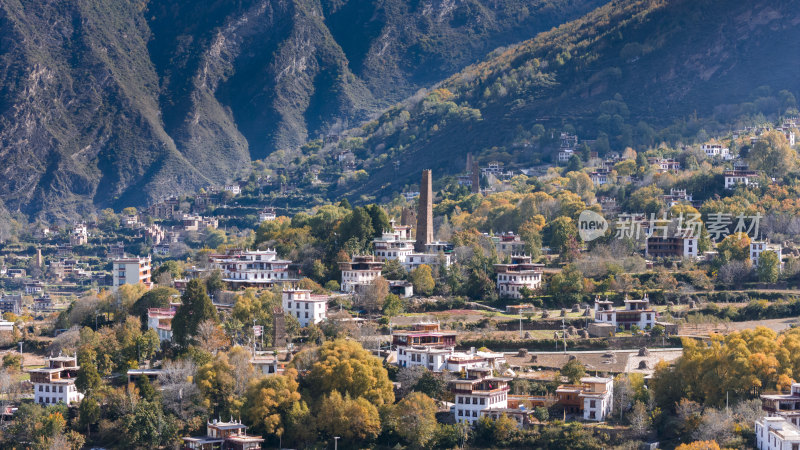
<point x="111" y="103"/>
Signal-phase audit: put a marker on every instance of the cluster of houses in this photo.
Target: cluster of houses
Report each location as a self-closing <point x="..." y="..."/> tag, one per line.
<point x="779" y="429"/>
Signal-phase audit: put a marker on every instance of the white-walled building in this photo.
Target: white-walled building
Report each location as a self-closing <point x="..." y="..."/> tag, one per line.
<point x="477" y="392"/>
<point x="474" y="359"/>
<point x="598" y="398"/>
<point x="677" y="197"/>
<point x="636" y="312"/>
<point x="160" y="319"/>
<point x="776" y="433"/>
<point x="234" y="189"/>
<point x="361" y="270"/>
<point x="198" y="223"/>
<point x="414" y="260"/>
<point x="306" y="307"/>
<point x="716" y="151"/>
<point x="395" y="244"/>
<point x="267" y="215"/>
<point x="256" y="268"/>
<point x="600" y="177"/>
<point x="565" y="154"/>
<point x="79" y="235"/>
<point x="55" y="383"/>
<point x="131" y="271"/>
<point x="672" y="247"/>
<point x="425" y="345"/>
<point x="509" y="243"/>
<point x="738" y="177"/>
<point x="520" y="273"/>
<point x="786" y="406"/>
<point x="758" y="247"/>
<point x="593" y="399"/>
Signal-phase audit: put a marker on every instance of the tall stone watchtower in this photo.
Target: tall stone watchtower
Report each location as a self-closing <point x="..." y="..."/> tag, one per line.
<point x="476" y="179"/>
<point x="425" y="212"/>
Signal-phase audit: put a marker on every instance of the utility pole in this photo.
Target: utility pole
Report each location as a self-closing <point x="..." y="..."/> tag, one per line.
<point x="520" y="327"/>
<point x="336" y="443"/>
<point x="564" y="333"/>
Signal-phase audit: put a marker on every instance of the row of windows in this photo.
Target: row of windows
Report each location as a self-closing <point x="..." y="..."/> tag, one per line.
<point x="416" y="357"/>
<point x="515" y="277"/>
<point x="297" y="314"/>
<point x="474" y="400"/>
<point x="387" y="254"/>
<point x="289" y="305"/>
<point x="244" y="276"/>
<point x="60" y="388"/>
<point x="462" y="413"/>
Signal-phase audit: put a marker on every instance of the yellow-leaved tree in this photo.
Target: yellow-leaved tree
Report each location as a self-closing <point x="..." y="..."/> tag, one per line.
<point x="345" y="366"/>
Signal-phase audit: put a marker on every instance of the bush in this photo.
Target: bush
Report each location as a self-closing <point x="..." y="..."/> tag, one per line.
<point x="12" y="361"/>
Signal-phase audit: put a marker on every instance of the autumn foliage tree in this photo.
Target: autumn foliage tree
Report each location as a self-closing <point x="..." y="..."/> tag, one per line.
<point x="735" y="366"/>
<point x="345" y="366"/>
<point x="354" y="419"/>
<point x="273" y="404"/>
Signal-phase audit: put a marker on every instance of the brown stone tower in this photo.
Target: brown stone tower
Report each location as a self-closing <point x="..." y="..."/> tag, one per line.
<point x="476" y="179"/>
<point x="408" y="217"/>
<point x="425" y="212"/>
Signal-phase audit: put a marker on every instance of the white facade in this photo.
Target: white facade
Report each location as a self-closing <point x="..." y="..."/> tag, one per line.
<point x="395" y="244"/>
<point x="565" y="154"/>
<point x="79" y="236"/>
<point x="598" y="398"/>
<point x="462" y="361"/>
<point x="677" y="196"/>
<point x="131" y="271"/>
<point x="599" y="178"/>
<point x="734" y="178"/>
<point x="636" y="312"/>
<point x="160" y="319"/>
<point x="716" y="151"/>
<point x="267" y="215"/>
<point x="252" y="268"/>
<point x="478" y="392"/>
<point x="440" y="359"/>
<point x="786" y="406"/>
<point x="433" y="359"/>
<point x="307" y="308"/>
<point x="758" y="247"/>
<point x="360" y="271"/>
<point x="414" y="260"/>
<point x="55" y="383"/>
<point x="521" y="273"/>
<point x="509" y="244"/>
<point x="233" y="189"/>
<point x="776" y="433"/>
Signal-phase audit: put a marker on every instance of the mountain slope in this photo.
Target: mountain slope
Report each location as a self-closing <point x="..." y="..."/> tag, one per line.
<point x="111" y="102"/>
<point x="79" y="108"/>
<point x="623" y="71"/>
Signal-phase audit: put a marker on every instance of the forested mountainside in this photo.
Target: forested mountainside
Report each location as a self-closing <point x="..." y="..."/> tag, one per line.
<point x="630" y="73"/>
<point x="114" y="103"/>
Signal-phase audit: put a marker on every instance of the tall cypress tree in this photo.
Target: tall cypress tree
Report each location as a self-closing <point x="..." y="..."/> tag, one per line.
<point x="196" y="307"/>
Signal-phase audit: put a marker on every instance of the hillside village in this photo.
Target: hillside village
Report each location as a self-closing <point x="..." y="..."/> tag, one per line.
<point x="485" y="305"/>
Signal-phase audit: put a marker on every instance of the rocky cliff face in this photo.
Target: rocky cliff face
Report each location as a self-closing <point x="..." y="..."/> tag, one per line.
<point x="116" y="102"/>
